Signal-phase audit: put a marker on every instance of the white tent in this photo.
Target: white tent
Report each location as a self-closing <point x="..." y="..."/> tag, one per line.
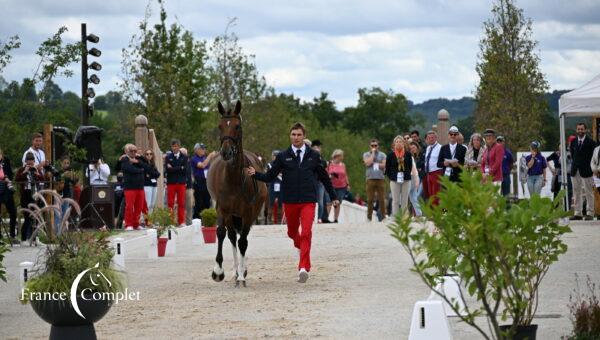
<point x="581" y="102"/>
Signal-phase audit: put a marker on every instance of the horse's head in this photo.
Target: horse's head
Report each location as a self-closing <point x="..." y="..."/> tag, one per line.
<point x="230" y="128"/>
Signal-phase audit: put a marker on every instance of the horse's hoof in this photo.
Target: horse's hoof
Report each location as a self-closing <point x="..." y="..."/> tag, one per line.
<point x="218" y="277"/>
<point x="237" y="283"/>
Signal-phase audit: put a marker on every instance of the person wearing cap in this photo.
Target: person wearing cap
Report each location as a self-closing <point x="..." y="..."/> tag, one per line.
<point x="176" y="166"/>
<point x="452" y="156"/>
<point x="431" y="185"/>
<point x="508" y="162"/>
<point x="582" y="150"/>
<point x="536" y="175"/>
<point x="491" y="163"/>
<point x="200" y="163"/>
<point x="28" y="177"/>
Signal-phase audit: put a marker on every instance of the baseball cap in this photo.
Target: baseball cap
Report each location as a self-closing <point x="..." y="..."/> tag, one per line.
<point x="488" y="132"/>
<point x="500" y="139"/>
<point x="453" y="129"/>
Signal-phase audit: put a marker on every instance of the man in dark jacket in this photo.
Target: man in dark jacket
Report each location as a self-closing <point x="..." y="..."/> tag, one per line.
<point x="452" y="156"/>
<point x="7" y="191"/>
<point x="582" y="150"/>
<point x="176" y="164"/>
<point x="301" y="170"/>
<point x="134" y="168"/>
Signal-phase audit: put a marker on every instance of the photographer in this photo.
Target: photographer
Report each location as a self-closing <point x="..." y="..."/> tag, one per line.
<point x="98" y="173"/>
<point x="28" y="177"/>
<point x="65" y="179"/>
<point x="6" y="194"/>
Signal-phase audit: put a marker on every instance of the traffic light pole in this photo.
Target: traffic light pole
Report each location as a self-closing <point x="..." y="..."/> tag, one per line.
<point x="84" y="77"/>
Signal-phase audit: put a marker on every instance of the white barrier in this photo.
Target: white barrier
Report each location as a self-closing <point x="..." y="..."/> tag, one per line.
<point x="352" y="213"/>
<point x="429" y="322"/>
<point x="119" y="257"/>
<point x="450" y="288"/>
<point x="25" y="272"/>
<point x="152" y="243"/>
<point x="197" y="232"/>
<point x="172" y="243"/>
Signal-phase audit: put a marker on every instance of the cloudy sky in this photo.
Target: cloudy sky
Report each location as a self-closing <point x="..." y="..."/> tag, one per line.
<point x="424" y="49"/>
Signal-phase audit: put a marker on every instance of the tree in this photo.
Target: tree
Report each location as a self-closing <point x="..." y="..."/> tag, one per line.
<point x="381" y="114"/>
<point x="233" y="73"/>
<point x="325" y="111"/>
<point x="167" y="78"/>
<point x="5" y="48"/>
<point x="510" y="94"/>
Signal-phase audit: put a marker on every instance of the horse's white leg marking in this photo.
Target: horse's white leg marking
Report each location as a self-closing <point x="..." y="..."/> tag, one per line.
<point x="242" y="268"/>
<point x="235" y="259"/>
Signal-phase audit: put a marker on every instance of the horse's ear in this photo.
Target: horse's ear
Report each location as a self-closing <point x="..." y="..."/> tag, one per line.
<point x="238" y="107"/>
<point x="221" y="108"/>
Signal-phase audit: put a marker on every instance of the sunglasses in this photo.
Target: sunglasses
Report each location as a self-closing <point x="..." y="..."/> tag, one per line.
<point x="453" y="134"/>
<point x="374" y="145"/>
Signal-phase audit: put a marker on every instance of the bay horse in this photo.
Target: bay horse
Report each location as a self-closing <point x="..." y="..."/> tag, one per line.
<point x="239" y="197"/>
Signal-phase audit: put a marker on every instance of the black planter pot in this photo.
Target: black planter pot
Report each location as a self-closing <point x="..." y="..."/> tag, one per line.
<point x="66" y="323"/>
<point x="522" y="333"/>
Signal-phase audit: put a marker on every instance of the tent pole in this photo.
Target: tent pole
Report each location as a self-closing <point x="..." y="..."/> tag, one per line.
<point x="563" y="160"/>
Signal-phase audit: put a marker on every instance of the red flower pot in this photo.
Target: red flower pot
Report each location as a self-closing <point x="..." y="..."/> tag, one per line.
<point x="209" y="234"/>
<point x="162" y="246"/>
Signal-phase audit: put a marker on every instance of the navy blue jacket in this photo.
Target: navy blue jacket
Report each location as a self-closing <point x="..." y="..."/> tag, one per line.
<point x="177" y="173"/>
<point x="300" y="182"/>
<point x="133" y="173"/>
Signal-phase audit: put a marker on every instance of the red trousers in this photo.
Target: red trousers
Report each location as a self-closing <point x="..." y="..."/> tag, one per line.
<point x="172" y="191"/>
<point x="301" y="214"/>
<point x="433" y="185"/>
<point x="134" y="203"/>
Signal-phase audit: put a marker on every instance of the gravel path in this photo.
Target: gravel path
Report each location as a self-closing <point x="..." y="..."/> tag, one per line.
<point x="360" y="287"/>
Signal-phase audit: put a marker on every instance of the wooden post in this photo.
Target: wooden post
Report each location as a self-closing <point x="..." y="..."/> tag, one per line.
<point x="50" y="179"/>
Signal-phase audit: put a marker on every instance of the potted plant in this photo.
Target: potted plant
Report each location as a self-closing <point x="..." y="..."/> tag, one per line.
<point x="209" y="228"/>
<point x="73" y="284"/>
<point x="585" y="312"/>
<point x="501" y="253"/>
<point x="163" y="221"/>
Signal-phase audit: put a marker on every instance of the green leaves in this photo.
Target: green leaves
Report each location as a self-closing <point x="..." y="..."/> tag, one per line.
<point x="500" y="253"/>
<point x="3" y="249"/>
<point x="5" y="47"/>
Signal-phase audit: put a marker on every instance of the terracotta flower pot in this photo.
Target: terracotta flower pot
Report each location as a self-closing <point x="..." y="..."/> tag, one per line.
<point x="162" y="246"/>
<point x="209" y="234"/>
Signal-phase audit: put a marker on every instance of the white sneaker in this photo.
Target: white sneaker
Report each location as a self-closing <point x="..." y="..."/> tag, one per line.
<point x="302" y="275"/>
<point x="129" y="228"/>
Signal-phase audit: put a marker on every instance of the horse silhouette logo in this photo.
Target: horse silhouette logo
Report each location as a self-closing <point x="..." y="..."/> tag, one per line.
<point x="93" y="272"/>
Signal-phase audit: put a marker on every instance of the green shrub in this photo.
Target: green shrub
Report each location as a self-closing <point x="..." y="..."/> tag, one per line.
<point x="500" y="253"/>
<point x="209" y="217"/>
<point x="161" y="219"/>
<point x="3" y="249"/>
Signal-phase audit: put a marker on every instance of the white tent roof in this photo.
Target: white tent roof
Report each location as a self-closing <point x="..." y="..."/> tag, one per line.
<point x="582" y="101"/>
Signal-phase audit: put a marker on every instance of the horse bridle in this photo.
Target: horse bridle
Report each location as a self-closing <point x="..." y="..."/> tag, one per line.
<point x="234" y="140"/>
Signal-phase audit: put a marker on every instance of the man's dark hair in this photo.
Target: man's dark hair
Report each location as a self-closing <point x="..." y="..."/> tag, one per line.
<point x="298" y="126"/>
<point x="175" y="141"/>
<point x="317" y="142"/>
<point x="582" y="123"/>
<point x="36" y="135"/>
<point x="415" y="132"/>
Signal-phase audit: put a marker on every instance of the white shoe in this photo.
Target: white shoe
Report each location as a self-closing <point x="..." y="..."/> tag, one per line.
<point x="129" y="228"/>
<point x="302" y="275"/>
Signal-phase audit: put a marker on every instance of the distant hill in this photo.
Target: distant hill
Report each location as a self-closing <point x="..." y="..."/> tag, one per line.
<point x="463" y="107"/>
